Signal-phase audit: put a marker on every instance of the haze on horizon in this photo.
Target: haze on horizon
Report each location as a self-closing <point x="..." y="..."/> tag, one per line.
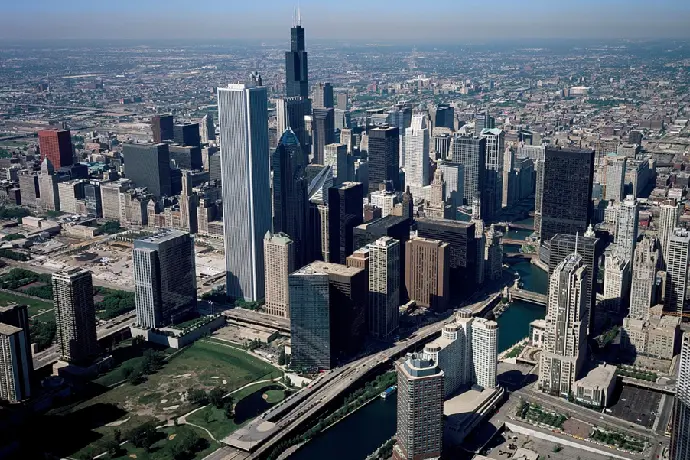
<point x="354" y="19"/>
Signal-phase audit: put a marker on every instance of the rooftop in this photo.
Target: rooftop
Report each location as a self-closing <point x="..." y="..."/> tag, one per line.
<point x="327" y="268"/>
<point x="599" y="377"/>
<point x="6" y="329"/>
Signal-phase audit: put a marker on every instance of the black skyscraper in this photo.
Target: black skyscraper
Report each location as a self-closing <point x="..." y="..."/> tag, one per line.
<point x="188" y="134"/>
<point x="444" y="117"/>
<point x="384" y="157"/>
<point x="296" y="66"/>
<point x="564" y="192"/>
<point x="148" y="165"/>
<point x="323" y="132"/>
<point x="345" y="203"/>
<point x="162" y="127"/>
<point x="290" y="203"/>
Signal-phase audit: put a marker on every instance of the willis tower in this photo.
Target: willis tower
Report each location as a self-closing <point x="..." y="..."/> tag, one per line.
<point x="296" y="67"/>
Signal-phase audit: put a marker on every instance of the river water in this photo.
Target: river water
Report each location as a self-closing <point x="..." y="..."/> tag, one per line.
<point x="363" y="432"/>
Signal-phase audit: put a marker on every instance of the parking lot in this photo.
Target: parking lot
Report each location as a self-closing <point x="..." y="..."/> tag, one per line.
<point x="636" y="405"/>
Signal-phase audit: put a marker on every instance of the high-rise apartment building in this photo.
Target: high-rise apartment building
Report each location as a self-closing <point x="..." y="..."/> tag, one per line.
<point x="669" y="211"/>
<point x="645" y="264"/>
<point x="419" y="431"/>
<point x="427" y="272"/>
<point x="470" y="152"/>
<point x="148" y="165"/>
<point x="164" y="278"/>
<point x="335" y="156"/>
<point x="344" y="213"/>
<point x="626" y="228"/>
<point x="615" y="178"/>
<point x="384" y="161"/>
<point x="564" y="182"/>
<point x="677" y="270"/>
<point x="296" y="64"/>
<point x="56" y="145"/>
<point x="680" y="434"/>
<point x="565" y="344"/>
<point x="384" y="286"/>
<point x="417" y="154"/>
<point x="279" y="253"/>
<point x="15" y="364"/>
<point x="484" y="352"/>
<point x="290" y="187"/>
<point x="243" y="118"/>
<point x="75" y="315"/>
<point x="163" y="128"/>
<point x="323" y="132"/>
<point x="322" y="96"/>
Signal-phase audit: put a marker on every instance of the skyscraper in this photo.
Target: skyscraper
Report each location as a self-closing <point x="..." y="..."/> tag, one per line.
<point x="75" y="315"/>
<point x="384" y="157"/>
<point x="162" y="127"/>
<point x="615" y="178"/>
<point x="680" y="435"/>
<point x="616" y="283"/>
<point x="148" y="165"/>
<point x="495" y="146"/>
<point x="243" y="118"/>
<point x="290" y="203"/>
<point x="643" y="287"/>
<point x="677" y="269"/>
<point x="565" y="184"/>
<point x="47" y="183"/>
<point x="565" y="344"/>
<point x="15" y="363"/>
<point x="485" y="352"/>
<point x="470" y="152"/>
<point x="207" y="129"/>
<point x="187" y="134"/>
<point x="296" y="65"/>
<point x="626" y="228"/>
<point x="322" y="96"/>
<point x="290" y="112"/>
<point x="427" y="272"/>
<point x="420" y="409"/>
<point x="323" y="132"/>
<point x="344" y="213"/>
<point x="384" y="286"/>
<point x="444" y="117"/>
<point x="417" y="154"/>
<point x="483" y="121"/>
<point x="164" y="278"/>
<point x="56" y="145"/>
<point x="279" y="253"/>
<point x="668" y="221"/>
<point x="493" y="254"/>
<point x="454" y="177"/>
<point x="335" y="156"/>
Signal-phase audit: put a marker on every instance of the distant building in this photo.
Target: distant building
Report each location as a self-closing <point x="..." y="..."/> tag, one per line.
<point x="645" y="264"/>
<point x="616" y="283"/>
<point x="417" y="154"/>
<point x="296" y="65"/>
<point x="290" y="112"/>
<point x="15" y="364"/>
<point x="279" y="253"/>
<point x="187" y="134"/>
<point x="677" y="269"/>
<point x="207" y="129"/>
<point x="493" y="254"/>
<point x="75" y="315"/>
<point x="669" y="211"/>
<point x="493" y="185"/>
<point x="164" y="278"/>
<point x="427" y="273"/>
<point x="162" y="127"/>
<point x="626" y="228"/>
<point x="48" y="186"/>
<point x="186" y="156"/>
<point x="384" y="153"/>
<point x="615" y="178"/>
<point x="322" y="96"/>
<point x="470" y="152"/>
<point x="344" y="213"/>
<point x="484" y="352"/>
<point x="323" y="132"/>
<point x="335" y="156"/>
<point x="148" y="165"/>
<point x="656" y="337"/>
<point x="384" y="286"/>
<point x="56" y="145"/>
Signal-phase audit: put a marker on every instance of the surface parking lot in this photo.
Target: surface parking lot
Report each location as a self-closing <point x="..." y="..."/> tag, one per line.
<point x="636" y="405"/>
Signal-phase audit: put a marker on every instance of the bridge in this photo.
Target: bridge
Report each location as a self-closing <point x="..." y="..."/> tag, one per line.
<point x="512" y="241"/>
<point x="509" y="225"/>
<point x="526" y="296"/>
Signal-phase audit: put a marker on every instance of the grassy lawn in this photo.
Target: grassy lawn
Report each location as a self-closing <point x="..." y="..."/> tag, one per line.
<point x="35" y="306"/>
<point x="161" y="449"/>
<point x="274" y="396"/>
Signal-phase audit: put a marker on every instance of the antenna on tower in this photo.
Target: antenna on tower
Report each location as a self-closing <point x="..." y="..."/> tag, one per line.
<point x="299" y="16"/>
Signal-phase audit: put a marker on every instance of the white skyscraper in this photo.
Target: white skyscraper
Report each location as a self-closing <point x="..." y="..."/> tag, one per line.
<point x="615" y="177"/>
<point x="484" y="352"/>
<point x="243" y="119"/>
<point x="668" y="220"/>
<point x="384" y="286"/>
<point x="680" y="436"/>
<point x="626" y="228"/>
<point x="677" y="269"/>
<point x="417" y="154"/>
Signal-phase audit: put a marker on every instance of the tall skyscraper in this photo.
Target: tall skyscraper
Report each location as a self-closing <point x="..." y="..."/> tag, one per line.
<point x="207" y="129"/>
<point x="296" y="64"/>
<point x="417" y="154"/>
<point x="335" y="156"/>
<point x="680" y="434"/>
<point x="485" y="352"/>
<point x="444" y="117"/>
<point x="243" y="118"/>
<point x="420" y="409"/>
<point x="615" y="178"/>
<point x="427" y="271"/>
<point x="148" y="165"/>
<point x="279" y="253"/>
<point x="616" y="283"/>
<point x="565" y="344"/>
<point x="384" y="286"/>
<point x="668" y="221"/>
<point x="454" y="177"/>
<point x="162" y="127"/>
<point x="164" y="278"/>
<point x="323" y="132"/>
<point x="290" y="187"/>
<point x="677" y="269"/>
<point x="322" y="96"/>
<point x="56" y="145"/>
<point x="483" y="121"/>
<point x="470" y="152"/>
<point x="384" y="158"/>
<point x="187" y="134"/>
<point x="565" y="185"/>
<point x="15" y="363"/>
<point x="626" y="228"/>
<point x="493" y="254"/>
<point x="290" y="112"/>
<point x="47" y="183"/>
<point x="75" y="315"/>
<point x="495" y="146"/>
<point x="645" y="264"/>
<point x="345" y="212"/>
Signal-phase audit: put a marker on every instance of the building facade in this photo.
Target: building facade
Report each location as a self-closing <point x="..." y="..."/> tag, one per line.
<point x="384" y="161"/>
<point x="427" y="272"/>
<point x="344" y="213"/>
<point x="384" y="286"/>
<point x="279" y="253"/>
<point x="56" y="145"/>
<point x="677" y="269"/>
<point x="148" y="165"/>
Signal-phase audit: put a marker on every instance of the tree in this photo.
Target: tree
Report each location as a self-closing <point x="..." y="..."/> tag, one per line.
<point x="282" y="359"/>
<point x="229" y="409"/>
<point x="215" y="397"/>
<point x="111" y="447"/>
<point x="186" y="444"/>
<point x="144" y="435"/>
<point x="152" y="361"/>
<point x="136" y="377"/>
<point x="197" y="396"/>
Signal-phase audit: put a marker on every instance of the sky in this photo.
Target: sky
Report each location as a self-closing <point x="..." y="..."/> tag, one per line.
<point x="420" y="20"/>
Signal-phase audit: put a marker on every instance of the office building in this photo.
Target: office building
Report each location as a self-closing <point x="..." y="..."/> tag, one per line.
<point x="322" y="96"/>
<point x="680" y="433"/>
<point x="344" y="213"/>
<point x="48" y="187"/>
<point x="384" y="200"/>
<point x="164" y="278"/>
<point x="616" y="283"/>
<point x="290" y="112"/>
<point x="56" y="145"/>
<point x="645" y="264"/>
<point x="186" y="157"/>
<point x="187" y="134"/>
<point x="484" y="353"/>
<point x="565" y="344"/>
<point x="207" y="129"/>
<point x="29" y="188"/>
<point x="417" y="154"/>
<point x="495" y="146"/>
<point x="335" y="156"/>
<point x="470" y="152"/>
<point x="162" y="127"/>
<point x="626" y="228"/>
<point x="564" y="192"/>
<point x="384" y="158"/>
<point x="323" y="132"/>
<point x="444" y="116"/>
<point x="677" y="270"/>
<point x="483" y="121"/>
<point x="669" y="211"/>
<point x="148" y="165"/>
<point x="420" y="409"/>
<point x="75" y="315"/>
<point x="454" y="178"/>
<point x="435" y="207"/>
<point x="427" y="273"/>
<point x="296" y="64"/>
<point x="493" y="254"/>
<point x="318" y="215"/>
<point x="360" y="259"/>
<point x="615" y="178"/>
<point x="243" y="118"/>
<point x="289" y="192"/>
<point x="656" y="337"/>
<point x="384" y="286"/>
<point x="15" y="364"/>
<point x="279" y="254"/>
<point x="92" y="199"/>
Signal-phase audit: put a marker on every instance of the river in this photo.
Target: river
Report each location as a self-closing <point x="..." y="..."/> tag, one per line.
<point x="363" y="432"/>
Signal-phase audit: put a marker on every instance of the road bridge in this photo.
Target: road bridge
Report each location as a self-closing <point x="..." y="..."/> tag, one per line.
<point x="526" y="296"/>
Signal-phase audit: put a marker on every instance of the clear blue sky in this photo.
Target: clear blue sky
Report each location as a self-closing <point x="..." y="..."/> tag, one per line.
<point x="424" y="20"/>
